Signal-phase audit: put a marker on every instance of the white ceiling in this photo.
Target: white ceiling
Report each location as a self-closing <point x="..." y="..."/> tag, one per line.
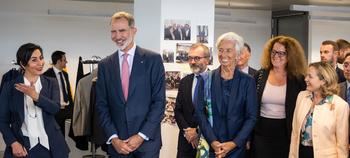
<point x="261" y="4"/>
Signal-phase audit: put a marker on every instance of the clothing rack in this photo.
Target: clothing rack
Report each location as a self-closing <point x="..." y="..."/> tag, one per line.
<point x="14" y="62"/>
<point x="94" y="60"/>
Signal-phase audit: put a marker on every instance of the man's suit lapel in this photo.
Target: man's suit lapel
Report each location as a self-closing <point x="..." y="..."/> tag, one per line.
<point x="116" y="77"/>
<point x="217" y="89"/>
<point x="137" y="70"/>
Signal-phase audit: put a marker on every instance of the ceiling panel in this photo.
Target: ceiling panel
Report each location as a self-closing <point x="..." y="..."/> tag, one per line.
<point x="259" y="4"/>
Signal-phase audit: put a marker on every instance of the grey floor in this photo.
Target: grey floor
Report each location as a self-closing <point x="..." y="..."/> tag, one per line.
<point x="74" y="152"/>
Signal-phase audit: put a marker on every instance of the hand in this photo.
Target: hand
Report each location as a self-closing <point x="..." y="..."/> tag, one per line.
<point x="28" y="90"/>
<point x="190" y="134"/>
<point x="248" y="145"/>
<point x="216" y="145"/>
<point x="18" y="150"/>
<point x="120" y="146"/>
<point x="194" y="143"/>
<point x="134" y="141"/>
<point x="225" y="148"/>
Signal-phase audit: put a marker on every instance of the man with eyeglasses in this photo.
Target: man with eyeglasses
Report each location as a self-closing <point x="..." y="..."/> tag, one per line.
<point x="198" y="59"/>
<point x="329" y="54"/>
<point x="244" y="59"/>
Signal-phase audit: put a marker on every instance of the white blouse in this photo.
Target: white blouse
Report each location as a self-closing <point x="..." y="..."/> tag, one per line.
<point x="33" y="125"/>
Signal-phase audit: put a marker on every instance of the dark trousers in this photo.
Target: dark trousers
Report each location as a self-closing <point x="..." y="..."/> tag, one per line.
<point x="306" y="151"/>
<point x="185" y="149"/>
<point x="61" y="118"/>
<point x="38" y="151"/>
<point x="137" y="154"/>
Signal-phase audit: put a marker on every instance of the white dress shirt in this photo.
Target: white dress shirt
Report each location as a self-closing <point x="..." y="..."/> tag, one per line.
<point x="33" y="125"/>
<point x="62" y="102"/>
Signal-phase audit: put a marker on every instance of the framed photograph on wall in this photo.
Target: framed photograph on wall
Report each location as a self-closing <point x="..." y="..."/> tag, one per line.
<point x="177" y="30"/>
<point x="168" y="56"/>
<point x="202" y="33"/>
<point x="182" y="52"/>
<point x="172" y="80"/>
<point x="169" y="115"/>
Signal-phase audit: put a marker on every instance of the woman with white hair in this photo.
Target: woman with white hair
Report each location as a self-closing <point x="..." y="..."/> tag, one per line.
<point x="227" y="112"/>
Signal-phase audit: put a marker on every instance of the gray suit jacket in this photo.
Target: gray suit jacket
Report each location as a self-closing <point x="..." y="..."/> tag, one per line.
<point x="343" y="88"/>
<point x="81" y="122"/>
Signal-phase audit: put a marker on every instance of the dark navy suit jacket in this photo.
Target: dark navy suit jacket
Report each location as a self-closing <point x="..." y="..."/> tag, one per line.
<point x="241" y="111"/>
<point x="143" y="110"/>
<point x="12" y="116"/>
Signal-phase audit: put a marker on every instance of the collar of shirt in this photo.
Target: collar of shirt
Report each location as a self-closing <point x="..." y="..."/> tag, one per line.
<point x="327" y="99"/>
<point x="347" y="84"/>
<point x="204" y="74"/>
<point x="245" y="70"/>
<point x="56" y="70"/>
<point x="131" y="52"/>
<point x="37" y="84"/>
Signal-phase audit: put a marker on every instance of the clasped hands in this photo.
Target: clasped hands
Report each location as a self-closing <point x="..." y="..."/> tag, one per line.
<point x="127" y="146"/>
<point x="191" y="136"/>
<point x="221" y="149"/>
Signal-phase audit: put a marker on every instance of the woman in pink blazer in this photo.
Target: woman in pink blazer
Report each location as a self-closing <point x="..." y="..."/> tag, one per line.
<point x="321" y="117"/>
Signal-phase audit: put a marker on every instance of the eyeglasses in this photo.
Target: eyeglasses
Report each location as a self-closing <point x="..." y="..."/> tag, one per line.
<point x="278" y="53"/>
<point x="195" y="58"/>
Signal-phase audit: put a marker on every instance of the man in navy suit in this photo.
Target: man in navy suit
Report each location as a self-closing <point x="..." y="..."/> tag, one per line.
<point x="130" y="94"/>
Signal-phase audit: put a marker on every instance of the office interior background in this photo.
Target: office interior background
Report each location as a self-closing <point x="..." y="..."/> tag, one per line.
<point x="81" y="28"/>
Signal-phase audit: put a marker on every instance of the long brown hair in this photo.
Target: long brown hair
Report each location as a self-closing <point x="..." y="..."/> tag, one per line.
<point x="296" y="62"/>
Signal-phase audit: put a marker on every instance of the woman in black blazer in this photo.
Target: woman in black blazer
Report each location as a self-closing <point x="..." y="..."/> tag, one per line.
<point x="27" y="108"/>
<point x="278" y="84"/>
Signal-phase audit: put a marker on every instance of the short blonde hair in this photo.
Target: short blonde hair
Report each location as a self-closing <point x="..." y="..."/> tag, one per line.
<point x="296" y="66"/>
<point x="328" y="74"/>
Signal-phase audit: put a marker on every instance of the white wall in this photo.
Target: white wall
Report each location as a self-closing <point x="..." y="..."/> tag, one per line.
<point x="253" y="25"/>
<point x="79" y="32"/>
<point x="326" y="26"/>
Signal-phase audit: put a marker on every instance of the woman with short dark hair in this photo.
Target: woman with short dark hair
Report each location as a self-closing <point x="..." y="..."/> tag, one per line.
<point x="27" y="108"/>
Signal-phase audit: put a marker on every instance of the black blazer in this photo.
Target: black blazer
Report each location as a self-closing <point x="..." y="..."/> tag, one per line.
<point x="294" y="86"/>
<point x="51" y="73"/>
<point x="184" y="111"/>
<point x="251" y="71"/>
<point x="12" y="116"/>
<point x="340" y="74"/>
